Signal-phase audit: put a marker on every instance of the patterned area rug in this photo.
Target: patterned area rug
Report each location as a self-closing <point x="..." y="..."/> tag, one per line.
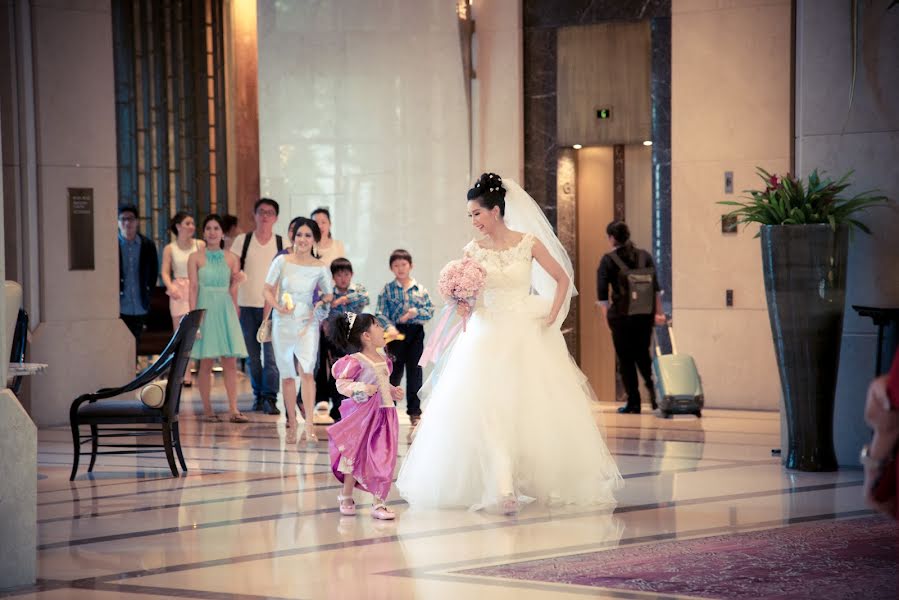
<point x="854" y="558"/>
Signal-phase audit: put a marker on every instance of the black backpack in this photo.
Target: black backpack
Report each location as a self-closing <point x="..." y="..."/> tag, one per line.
<point x="246" y="246"/>
<point x="636" y="284"/>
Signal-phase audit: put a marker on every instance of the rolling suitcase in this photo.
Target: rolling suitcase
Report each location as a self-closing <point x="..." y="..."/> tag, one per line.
<point x="677" y="382"/>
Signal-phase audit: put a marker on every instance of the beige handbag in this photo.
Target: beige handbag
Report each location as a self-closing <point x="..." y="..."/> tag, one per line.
<point x="264" y="333"/>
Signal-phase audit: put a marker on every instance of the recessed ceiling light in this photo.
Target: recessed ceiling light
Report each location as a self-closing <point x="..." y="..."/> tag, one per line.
<point x="647" y="143"/>
<point x="577" y="146"/>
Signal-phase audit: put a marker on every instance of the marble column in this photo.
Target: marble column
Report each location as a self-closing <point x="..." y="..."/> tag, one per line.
<point x="243" y="97"/>
<point x="832" y="137"/>
<point x="78" y="332"/>
<point x="18" y="447"/>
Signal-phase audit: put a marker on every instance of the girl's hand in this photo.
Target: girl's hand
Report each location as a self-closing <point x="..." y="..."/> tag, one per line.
<point x="282" y="309"/>
<point x="173" y="293"/>
<point x="397" y="393"/>
<point x="371" y="390"/>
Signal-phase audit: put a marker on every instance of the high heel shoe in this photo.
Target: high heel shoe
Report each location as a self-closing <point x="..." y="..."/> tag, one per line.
<point x="309" y="436"/>
<point x="291" y="437"/>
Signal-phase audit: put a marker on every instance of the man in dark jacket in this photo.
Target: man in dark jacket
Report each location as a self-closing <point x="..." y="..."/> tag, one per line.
<point x="138" y="271"/>
<point x="631" y="333"/>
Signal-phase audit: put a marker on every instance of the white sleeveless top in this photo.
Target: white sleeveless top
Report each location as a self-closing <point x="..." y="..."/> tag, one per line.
<point x="179" y="259"/>
<point x="335" y="250"/>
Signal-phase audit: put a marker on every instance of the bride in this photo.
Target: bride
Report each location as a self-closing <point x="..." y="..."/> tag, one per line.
<point x="491" y="439"/>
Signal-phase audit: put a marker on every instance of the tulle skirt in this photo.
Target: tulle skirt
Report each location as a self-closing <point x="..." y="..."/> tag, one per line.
<point x="491" y="426"/>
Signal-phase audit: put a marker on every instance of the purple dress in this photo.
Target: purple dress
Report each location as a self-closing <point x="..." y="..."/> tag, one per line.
<point x="364" y="442"/>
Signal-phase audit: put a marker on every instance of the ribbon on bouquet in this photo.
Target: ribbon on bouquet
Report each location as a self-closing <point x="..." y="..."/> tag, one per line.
<point x="442" y="336"/>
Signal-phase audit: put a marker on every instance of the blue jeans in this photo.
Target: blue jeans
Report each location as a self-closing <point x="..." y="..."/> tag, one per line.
<point x="263" y="370"/>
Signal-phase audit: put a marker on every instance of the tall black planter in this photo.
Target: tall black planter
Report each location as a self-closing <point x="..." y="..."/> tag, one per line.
<point x="805" y="284"/>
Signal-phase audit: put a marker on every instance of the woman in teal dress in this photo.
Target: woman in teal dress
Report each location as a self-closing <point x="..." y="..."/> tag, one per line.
<point x="289" y="289"/>
<point x="213" y="286"/>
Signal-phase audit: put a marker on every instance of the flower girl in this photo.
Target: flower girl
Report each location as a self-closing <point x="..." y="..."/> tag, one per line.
<point x="363" y="444"/>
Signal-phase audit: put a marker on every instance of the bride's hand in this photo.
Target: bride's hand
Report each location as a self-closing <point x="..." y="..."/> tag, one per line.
<point x="549" y="320"/>
<point x="463" y="310"/>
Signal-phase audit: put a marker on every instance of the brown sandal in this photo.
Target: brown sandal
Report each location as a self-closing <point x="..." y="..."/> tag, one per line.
<point x="238" y="418"/>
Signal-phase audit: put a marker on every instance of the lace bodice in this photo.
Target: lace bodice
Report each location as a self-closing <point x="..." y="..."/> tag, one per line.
<point x="508" y="273"/>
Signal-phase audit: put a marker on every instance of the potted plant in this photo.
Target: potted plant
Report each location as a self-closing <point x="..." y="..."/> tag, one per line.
<point x="805" y="240"/>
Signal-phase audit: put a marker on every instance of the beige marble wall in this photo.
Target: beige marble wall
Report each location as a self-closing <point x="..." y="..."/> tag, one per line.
<point x="79" y="334"/>
<point x="730" y="106"/>
<point x="866" y="139"/>
<point x="497" y="91"/>
<point x="638" y="194"/>
<point x="362" y="109"/>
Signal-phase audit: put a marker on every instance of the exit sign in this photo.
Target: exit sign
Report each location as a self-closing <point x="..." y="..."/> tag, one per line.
<point x="604" y="113"/>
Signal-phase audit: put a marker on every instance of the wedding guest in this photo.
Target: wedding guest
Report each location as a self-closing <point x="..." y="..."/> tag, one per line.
<point x="363" y="445"/>
<point x="405" y="305"/>
<point x="328" y="248"/>
<point x="174" y="270"/>
<point x="289" y="287"/>
<point x="256" y="250"/>
<point x="349" y="297"/>
<point x="231" y="230"/>
<point x="213" y="286"/>
<point x="138" y="271"/>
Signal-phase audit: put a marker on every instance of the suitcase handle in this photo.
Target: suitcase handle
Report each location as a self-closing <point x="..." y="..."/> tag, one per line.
<point x="669" y="323"/>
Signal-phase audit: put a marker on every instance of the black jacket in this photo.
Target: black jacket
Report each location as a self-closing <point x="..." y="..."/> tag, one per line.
<point x="148" y="270"/>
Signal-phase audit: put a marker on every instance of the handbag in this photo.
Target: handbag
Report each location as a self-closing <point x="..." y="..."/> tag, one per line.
<point x="264" y="333"/>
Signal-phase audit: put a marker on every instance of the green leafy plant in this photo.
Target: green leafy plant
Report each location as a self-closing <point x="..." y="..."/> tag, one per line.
<point x="790" y="201"/>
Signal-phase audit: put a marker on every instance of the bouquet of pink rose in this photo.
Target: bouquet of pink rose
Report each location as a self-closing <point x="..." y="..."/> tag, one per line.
<point x="460" y="282"/>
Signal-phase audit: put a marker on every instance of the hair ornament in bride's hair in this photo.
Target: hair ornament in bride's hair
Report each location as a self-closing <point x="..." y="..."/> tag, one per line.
<point x="350" y="319"/>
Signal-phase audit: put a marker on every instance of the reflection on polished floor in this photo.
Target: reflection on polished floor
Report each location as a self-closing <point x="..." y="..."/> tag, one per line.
<point x="256" y="519"/>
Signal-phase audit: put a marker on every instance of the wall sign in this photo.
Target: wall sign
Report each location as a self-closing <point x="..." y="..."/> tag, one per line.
<point x="81" y="229"/>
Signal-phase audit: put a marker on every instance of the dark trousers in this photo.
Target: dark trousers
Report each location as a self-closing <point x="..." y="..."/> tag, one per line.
<point x="263" y="370"/>
<point x="325" y="384"/>
<point x="135" y="324"/>
<point x="406" y="354"/>
<point x="631" y="336"/>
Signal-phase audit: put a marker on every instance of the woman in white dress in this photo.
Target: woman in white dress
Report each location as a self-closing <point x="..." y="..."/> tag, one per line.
<point x="174" y="270"/>
<point x="487" y="440"/>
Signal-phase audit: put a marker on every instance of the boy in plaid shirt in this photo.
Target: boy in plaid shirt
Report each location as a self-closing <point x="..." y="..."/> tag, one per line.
<point x="406" y="306"/>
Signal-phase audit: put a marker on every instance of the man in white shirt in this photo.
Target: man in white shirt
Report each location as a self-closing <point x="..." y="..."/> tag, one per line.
<point x="256" y="250"/>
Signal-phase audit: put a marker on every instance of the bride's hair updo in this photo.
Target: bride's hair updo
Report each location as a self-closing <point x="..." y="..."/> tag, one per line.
<point x="488" y="190"/>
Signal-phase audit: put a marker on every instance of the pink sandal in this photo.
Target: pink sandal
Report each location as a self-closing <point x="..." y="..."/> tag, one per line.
<point x="347" y="510"/>
<point x="382" y="513"/>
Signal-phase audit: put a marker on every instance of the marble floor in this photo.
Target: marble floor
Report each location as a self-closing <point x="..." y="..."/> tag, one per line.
<point x="255" y="518"/>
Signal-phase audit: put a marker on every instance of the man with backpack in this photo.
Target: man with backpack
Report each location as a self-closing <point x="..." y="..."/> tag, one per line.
<point x="256" y="251"/>
<point x="635" y="307"/>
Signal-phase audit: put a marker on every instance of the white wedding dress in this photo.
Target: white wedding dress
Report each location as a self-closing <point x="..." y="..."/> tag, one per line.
<point x="510" y="414"/>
